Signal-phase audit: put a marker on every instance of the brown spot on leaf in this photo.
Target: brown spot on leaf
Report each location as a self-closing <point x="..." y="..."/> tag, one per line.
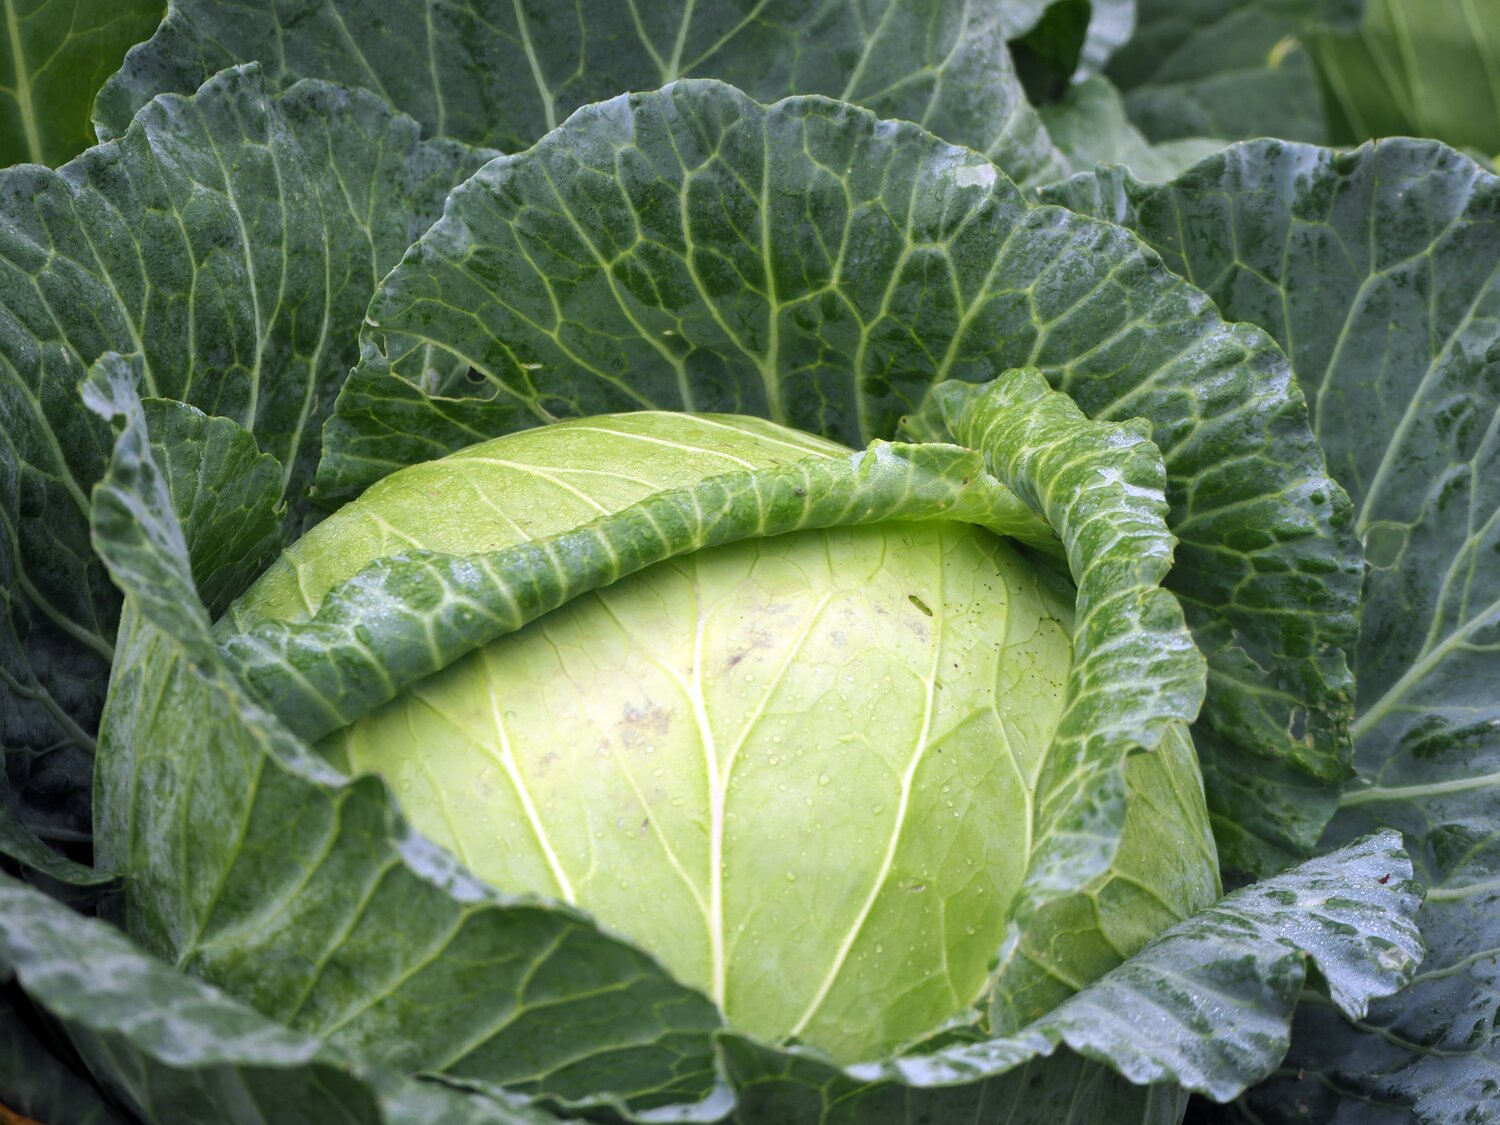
<point x="644" y="724"/>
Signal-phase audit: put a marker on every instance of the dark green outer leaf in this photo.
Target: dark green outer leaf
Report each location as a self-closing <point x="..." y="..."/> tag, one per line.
<point x="55" y="57"/>
<point x="34" y="1081"/>
<point x="253" y="865"/>
<point x="1380" y="270"/>
<point x="690" y="249"/>
<point x="230" y="239"/>
<point x="1060" y="1089"/>
<point x="20" y="843"/>
<point x="1226" y="68"/>
<point x="175" y="1050"/>
<point x="498" y="73"/>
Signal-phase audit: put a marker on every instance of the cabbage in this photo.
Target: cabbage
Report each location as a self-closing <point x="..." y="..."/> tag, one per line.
<point x="796" y="769"/>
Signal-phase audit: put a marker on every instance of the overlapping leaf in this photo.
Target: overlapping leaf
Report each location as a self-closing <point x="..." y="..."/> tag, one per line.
<point x="232" y="241"/>
<point x="1380" y="272"/>
<point x="502" y="74"/>
<point x="1135" y="685"/>
<point x="35" y="1082"/>
<point x="1204" y="1007"/>
<point x="253" y="865"/>
<point x="1227" y="68"/>
<point x="406" y="617"/>
<point x="171" y="1048"/>
<point x="690" y="249"/>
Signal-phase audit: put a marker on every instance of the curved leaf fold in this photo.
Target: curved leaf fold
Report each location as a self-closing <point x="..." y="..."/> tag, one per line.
<point x="1135" y="669"/>
<point x="1377" y="269"/>
<point x="405" y="617"/>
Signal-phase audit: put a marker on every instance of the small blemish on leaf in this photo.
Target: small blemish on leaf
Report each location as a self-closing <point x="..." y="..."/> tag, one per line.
<point x="1297" y="726"/>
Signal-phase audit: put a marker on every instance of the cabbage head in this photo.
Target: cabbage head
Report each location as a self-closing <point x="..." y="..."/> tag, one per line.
<point x="801" y="770"/>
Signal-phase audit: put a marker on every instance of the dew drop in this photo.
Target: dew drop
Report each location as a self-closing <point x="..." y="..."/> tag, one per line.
<point x="824" y="779"/>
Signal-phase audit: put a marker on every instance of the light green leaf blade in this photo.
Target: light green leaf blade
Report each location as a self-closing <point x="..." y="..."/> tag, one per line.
<point x="690" y="249"/>
<point x="1226" y="68"/>
<point x="173" y="1049"/>
<point x="1205" y="1007"/>
<point x="504" y="74"/>
<point x="1422" y="68"/>
<point x="57" y="53"/>
<point x="232" y="241"/>
<point x="252" y="864"/>
<point x="1377" y="268"/>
